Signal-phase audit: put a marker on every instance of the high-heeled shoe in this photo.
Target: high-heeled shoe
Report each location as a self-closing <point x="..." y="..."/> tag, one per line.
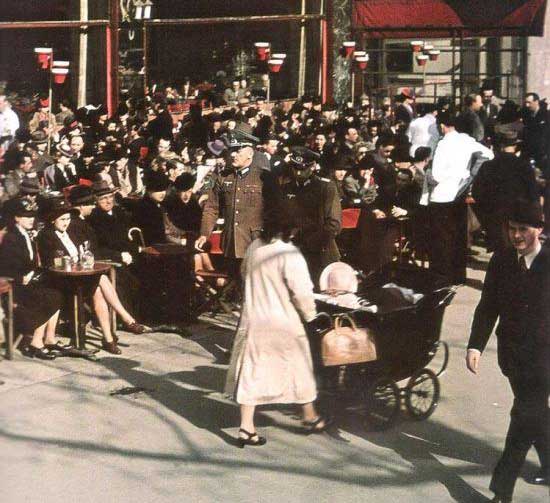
<point x="111" y="347"/>
<point x="252" y="439"/>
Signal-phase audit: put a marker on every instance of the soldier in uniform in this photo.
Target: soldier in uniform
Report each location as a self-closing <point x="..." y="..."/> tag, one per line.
<point x="315" y="205"/>
<point x="239" y="197"/>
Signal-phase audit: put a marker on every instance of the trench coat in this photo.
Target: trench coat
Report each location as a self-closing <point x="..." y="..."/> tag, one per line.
<point x="271" y="359"/>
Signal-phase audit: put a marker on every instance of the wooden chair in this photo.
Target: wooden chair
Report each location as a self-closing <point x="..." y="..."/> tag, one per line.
<point x="6" y="292"/>
<point x="216" y="297"/>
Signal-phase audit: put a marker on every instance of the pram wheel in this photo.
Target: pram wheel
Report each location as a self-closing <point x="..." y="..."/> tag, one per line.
<point x="382" y="403"/>
<point x="422" y="394"/>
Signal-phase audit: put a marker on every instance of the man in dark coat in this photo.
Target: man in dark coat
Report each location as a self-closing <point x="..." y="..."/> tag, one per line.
<point x="498" y="184"/>
<point x="239" y="197"/>
<point x="469" y="121"/>
<point x="315" y="207"/>
<point x="536" y="132"/>
<point x="111" y="224"/>
<point x="517" y="293"/>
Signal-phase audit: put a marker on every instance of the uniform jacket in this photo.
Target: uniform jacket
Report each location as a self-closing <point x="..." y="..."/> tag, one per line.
<point x="521" y="303"/>
<point x="64" y="177"/>
<point x="239" y="198"/>
<point x="501" y="181"/>
<point x="112" y="233"/>
<point x="317" y="213"/>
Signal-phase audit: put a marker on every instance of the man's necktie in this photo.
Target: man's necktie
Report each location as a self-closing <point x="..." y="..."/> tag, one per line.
<point x="522" y="264"/>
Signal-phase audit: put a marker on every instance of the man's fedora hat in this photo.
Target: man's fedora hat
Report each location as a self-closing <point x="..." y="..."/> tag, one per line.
<point x="64" y="150"/>
<point x="526" y="212"/>
<point x="102" y="188"/>
<point x="81" y="195"/>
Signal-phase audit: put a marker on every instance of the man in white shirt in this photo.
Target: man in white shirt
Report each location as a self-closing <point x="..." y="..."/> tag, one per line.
<point x="9" y="122"/>
<point x="447" y="209"/>
<point x="423" y="131"/>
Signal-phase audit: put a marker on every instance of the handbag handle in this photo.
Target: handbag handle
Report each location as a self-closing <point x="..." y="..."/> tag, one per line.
<point x="338" y="321"/>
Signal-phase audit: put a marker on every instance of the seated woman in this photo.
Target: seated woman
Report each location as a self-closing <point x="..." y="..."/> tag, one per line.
<point x="58" y="240"/>
<point x="37" y="307"/>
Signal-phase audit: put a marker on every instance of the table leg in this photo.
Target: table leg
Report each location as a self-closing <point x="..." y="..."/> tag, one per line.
<point x="79" y="326"/>
<point x="9" y="351"/>
<point x="112" y="277"/>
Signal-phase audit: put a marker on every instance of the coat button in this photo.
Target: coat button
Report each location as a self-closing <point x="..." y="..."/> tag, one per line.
<point x="236" y="224"/>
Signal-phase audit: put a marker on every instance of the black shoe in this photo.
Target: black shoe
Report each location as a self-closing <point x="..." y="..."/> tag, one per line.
<point x="317" y="426"/>
<point x="501" y="499"/>
<point x="59" y="349"/>
<point x="40" y="353"/>
<point x="252" y="439"/>
<point x="539" y="479"/>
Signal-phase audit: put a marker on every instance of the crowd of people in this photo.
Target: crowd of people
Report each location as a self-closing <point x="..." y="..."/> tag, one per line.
<point x="277" y="179"/>
<point x="409" y="169"/>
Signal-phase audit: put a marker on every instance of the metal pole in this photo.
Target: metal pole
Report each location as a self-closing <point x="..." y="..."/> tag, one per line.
<point x="453" y="64"/>
<point x="352" y="86"/>
<point x="234" y="20"/>
<point x="302" y="64"/>
<point x="50" y="97"/>
<point x="461" y="83"/>
<point x="268" y="93"/>
<point x="321" y="50"/>
<point x="82" y="56"/>
<point x="108" y="70"/>
<point x="145" y="61"/>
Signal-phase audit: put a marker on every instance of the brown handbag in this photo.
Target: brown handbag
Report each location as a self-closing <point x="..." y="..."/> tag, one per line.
<point x="343" y="345"/>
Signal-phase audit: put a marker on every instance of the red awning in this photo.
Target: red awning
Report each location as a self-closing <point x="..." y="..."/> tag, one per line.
<point x="438" y="18"/>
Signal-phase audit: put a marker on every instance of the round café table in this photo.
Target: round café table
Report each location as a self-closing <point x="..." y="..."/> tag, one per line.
<point x="77" y="274"/>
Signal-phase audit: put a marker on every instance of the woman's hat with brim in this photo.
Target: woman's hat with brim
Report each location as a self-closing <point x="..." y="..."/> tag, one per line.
<point x="184" y="182"/>
<point x="156" y="182"/>
<point x="20" y="207"/>
<point x="102" y="188"/>
<point x="53" y="208"/>
<point x="338" y="277"/>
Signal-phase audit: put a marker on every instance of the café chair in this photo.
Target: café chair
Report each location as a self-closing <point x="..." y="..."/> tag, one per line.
<point x="216" y="288"/>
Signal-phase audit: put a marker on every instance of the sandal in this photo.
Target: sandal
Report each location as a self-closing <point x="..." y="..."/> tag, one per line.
<point x="252" y="439"/>
<point x="317" y="426"/>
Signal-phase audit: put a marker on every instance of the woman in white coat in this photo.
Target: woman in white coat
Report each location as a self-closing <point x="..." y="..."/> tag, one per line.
<point x="271" y="358"/>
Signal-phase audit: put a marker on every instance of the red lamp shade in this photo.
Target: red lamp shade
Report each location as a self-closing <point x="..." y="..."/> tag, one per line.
<point x="416" y="45"/>
<point x="59" y="75"/>
<point x="421" y="60"/>
<point x="43" y="56"/>
<point x="362" y="62"/>
<point x="349" y="47"/>
<point x="275" y="65"/>
<point x="262" y="50"/>
<point x="433" y="55"/>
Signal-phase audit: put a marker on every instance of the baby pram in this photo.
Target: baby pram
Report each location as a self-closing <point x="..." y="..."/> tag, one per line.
<point x="406" y="330"/>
